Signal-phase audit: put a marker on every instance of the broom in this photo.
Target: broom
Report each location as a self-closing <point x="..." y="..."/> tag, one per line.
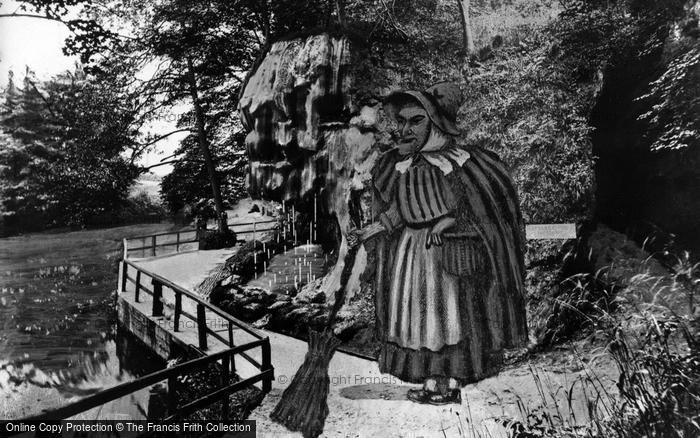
<point x="303" y="406"/>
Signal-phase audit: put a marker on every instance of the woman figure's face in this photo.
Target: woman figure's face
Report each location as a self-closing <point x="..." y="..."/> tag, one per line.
<point x="414" y="128"/>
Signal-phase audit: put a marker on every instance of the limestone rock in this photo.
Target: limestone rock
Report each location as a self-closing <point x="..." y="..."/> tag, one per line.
<point x="282" y="298"/>
<point x="253" y="310"/>
<point x="278" y="305"/>
<point x="310" y="143"/>
<point x="262" y="322"/>
<point x="311" y="293"/>
<point x="314" y="136"/>
<point x="233" y="280"/>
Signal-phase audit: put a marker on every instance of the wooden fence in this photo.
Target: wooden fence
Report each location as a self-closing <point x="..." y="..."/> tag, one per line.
<point x="172" y="377"/>
<point x="187" y="238"/>
<point x="140" y="279"/>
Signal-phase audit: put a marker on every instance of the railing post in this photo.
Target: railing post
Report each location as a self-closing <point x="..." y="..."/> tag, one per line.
<point x="153" y="244"/>
<point x="178" y="310"/>
<point x="138" y="286"/>
<point x="201" y="232"/>
<point x="177" y="242"/>
<point x="125" y="269"/>
<point x="266" y="365"/>
<point x="157" y="298"/>
<point x="225" y="381"/>
<point x="172" y="395"/>
<point x="202" y="326"/>
<point x="231" y="345"/>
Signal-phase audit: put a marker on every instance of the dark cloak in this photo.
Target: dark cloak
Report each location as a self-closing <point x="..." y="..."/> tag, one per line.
<point x="488" y="207"/>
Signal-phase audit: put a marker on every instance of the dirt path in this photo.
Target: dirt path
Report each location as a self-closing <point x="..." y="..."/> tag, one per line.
<point x="364" y="402"/>
<point x="187" y="269"/>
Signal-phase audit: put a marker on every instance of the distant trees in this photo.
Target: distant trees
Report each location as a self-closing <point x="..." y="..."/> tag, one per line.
<point x="61" y="157"/>
<point x="186" y="188"/>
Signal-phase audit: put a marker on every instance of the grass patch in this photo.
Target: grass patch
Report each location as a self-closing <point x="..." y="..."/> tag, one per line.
<point x="654" y="344"/>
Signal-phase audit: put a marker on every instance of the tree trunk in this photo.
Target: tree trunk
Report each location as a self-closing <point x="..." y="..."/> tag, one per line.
<point x="467" y="37"/>
<point x="204" y="147"/>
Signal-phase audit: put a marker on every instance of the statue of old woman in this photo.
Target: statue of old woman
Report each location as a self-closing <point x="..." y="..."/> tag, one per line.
<point x="449" y="282"/>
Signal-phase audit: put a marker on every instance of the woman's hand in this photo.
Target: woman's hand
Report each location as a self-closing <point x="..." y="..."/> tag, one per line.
<point x="356" y="236"/>
<point x="435" y="235"/>
<point x="353" y="237"/>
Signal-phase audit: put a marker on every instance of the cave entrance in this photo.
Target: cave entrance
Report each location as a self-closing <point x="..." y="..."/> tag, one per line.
<point x="649" y="196"/>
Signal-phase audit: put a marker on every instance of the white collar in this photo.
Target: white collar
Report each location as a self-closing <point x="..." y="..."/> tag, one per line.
<point x="435" y="153"/>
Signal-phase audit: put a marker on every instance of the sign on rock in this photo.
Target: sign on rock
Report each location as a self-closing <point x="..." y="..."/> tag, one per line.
<point x="550" y="231"/>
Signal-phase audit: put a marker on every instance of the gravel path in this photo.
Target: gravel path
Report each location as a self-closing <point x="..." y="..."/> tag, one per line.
<point x="363" y="402"/>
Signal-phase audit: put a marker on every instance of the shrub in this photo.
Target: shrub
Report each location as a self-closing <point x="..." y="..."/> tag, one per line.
<point x="659" y="381"/>
<point x="215" y="239"/>
<point x="659" y="390"/>
<point x="582" y="301"/>
<point x="654" y="343"/>
<point x="527" y="108"/>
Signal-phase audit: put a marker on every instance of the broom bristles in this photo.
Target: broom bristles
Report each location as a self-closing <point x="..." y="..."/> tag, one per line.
<point x="303" y="406"/>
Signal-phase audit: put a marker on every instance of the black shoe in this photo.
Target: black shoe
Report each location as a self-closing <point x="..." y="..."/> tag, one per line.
<point x="418" y="395"/>
<point x="439" y="399"/>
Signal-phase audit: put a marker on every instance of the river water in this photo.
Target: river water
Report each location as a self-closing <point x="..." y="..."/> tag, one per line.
<point x="58" y="334"/>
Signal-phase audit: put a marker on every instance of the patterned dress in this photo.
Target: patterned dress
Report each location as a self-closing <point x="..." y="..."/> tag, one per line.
<point x="433" y="314"/>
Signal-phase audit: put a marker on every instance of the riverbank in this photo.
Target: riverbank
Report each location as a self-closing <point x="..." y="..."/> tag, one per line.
<point x="58" y="334"/>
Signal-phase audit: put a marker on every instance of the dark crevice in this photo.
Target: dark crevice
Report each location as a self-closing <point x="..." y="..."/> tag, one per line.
<point x="641" y="193"/>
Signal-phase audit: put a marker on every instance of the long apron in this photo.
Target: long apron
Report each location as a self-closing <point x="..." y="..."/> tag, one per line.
<point x="424" y="301"/>
<point x="429" y="318"/>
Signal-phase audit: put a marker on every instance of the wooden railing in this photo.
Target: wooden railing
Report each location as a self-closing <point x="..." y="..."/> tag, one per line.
<point x="159" y="283"/>
<point x="161" y="240"/>
<point x="186" y="238"/>
<point x="172" y="376"/>
<point x="141" y="278"/>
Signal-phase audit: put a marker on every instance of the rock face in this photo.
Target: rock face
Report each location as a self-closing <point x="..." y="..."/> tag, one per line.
<point x="307" y="135"/>
<point x="311" y="143"/>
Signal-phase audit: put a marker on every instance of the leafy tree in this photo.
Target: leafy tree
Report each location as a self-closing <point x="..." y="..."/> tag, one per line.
<point x="186" y="187"/>
<point x="199" y="45"/>
<point x="528" y="109"/>
<point x="674" y="98"/>
<point x="26" y="154"/>
<point x="204" y="51"/>
<point x="63" y="161"/>
<point x="87" y="38"/>
<point x="598" y="36"/>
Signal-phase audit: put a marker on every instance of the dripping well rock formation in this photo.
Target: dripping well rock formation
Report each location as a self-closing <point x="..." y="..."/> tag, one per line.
<point x="311" y="142"/>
